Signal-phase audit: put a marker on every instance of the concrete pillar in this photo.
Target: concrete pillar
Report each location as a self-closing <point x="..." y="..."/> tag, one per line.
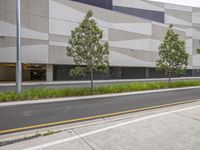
<point x="147" y="72"/>
<point x="49" y="73"/>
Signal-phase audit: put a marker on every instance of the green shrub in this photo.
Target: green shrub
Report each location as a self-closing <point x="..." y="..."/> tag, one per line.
<point x="34" y="94"/>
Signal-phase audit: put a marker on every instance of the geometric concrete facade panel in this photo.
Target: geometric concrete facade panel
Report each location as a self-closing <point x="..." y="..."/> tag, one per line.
<point x="59" y="11"/>
<point x="134" y="41"/>
<point x="7" y="29"/>
<point x="117" y="59"/>
<point x="141" y="28"/>
<point x="178" y="7"/>
<point x="124" y="35"/>
<point x="177" y="21"/>
<point x="146" y="56"/>
<point x="142" y="44"/>
<point x="147" y="14"/>
<point x="57" y="55"/>
<point x="61" y="27"/>
<point x="40" y="55"/>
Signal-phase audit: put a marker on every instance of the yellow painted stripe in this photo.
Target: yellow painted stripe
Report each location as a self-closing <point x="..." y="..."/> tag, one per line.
<point x="92" y="117"/>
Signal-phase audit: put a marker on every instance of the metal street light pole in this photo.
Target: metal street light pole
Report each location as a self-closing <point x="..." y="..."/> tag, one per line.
<point x="18" y="56"/>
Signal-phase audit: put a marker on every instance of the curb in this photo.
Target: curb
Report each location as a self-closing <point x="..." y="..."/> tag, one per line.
<point x="52" y="100"/>
<point x="97" y="81"/>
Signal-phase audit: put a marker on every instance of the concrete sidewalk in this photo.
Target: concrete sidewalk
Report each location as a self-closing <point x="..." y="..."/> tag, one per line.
<point x="174" y="128"/>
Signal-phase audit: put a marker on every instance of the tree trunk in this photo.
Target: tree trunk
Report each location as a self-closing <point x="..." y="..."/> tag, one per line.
<point x="92" y="84"/>
<point x="169" y="76"/>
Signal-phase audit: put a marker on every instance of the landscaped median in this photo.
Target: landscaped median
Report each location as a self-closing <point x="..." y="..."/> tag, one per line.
<point x="34" y="94"/>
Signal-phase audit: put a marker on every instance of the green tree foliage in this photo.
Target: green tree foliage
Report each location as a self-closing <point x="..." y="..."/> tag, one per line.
<point x="78" y="72"/>
<point x="173" y="55"/>
<point x="87" y="49"/>
<point x="198" y="50"/>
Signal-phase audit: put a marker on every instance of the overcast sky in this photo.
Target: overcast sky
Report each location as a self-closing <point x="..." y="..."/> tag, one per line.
<point x="194" y="3"/>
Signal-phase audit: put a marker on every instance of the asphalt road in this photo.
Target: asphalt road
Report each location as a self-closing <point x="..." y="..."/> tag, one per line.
<point x="19" y="116"/>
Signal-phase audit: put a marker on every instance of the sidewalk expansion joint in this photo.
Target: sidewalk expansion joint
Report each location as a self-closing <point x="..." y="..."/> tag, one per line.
<point x="188" y="117"/>
<point x="83" y="139"/>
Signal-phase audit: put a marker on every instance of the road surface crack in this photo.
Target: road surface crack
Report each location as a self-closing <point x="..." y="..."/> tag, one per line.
<point x="83" y="139"/>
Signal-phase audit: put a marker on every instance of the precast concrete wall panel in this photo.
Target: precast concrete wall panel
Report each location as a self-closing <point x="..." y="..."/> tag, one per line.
<point x="34" y="31"/>
<point x="134" y="30"/>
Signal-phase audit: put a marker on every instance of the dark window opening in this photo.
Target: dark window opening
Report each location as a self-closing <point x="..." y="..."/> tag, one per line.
<point x="107" y="4"/>
<point x="157" y="16"/>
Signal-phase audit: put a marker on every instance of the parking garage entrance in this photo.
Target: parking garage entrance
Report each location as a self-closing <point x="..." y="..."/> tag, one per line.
<point x="30" y="72"/>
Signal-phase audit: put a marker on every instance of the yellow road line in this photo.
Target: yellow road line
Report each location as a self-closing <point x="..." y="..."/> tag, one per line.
<point x="92" y="117"/>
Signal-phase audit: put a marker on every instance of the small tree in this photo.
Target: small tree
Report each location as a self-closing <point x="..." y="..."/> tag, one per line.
<point x="87" y="50"/>
<point x="173" y="55"/>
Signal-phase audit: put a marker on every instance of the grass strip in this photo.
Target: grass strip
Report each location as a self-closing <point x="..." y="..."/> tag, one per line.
<point x="39" y="93"/>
